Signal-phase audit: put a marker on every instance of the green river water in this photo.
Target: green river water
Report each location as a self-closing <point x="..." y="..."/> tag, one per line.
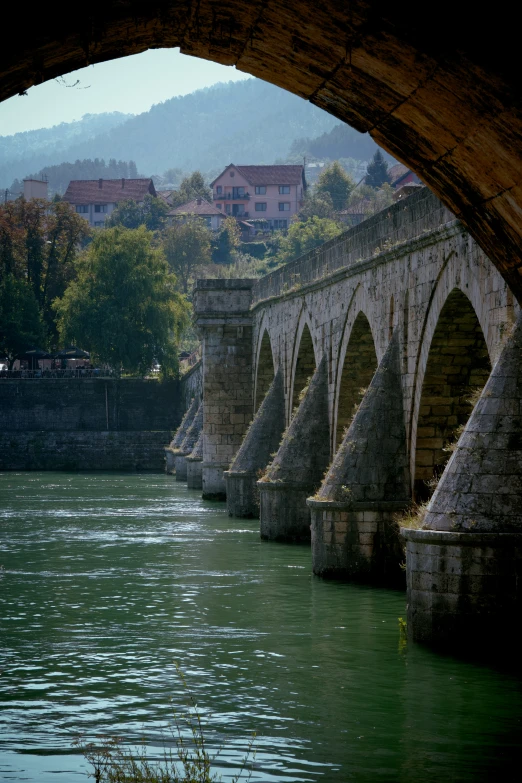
<point x="107" y="580"/>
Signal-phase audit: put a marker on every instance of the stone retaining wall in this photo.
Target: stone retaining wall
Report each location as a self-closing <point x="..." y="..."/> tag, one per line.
<point x="83" y="450"/>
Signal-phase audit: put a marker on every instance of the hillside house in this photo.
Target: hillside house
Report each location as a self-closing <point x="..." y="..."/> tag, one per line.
<point x="95" y="199"/>
<point x="270" y="193"/>
<point x="200" y="208"/>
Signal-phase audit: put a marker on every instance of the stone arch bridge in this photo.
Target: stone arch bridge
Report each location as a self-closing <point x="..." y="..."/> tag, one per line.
<point x="362" y="362"/>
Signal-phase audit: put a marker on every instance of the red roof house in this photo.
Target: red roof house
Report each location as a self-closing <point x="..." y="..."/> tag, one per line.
<point x="96" y="198"/>
<point x="272" y="193"/>
<point x="201" y="208"/>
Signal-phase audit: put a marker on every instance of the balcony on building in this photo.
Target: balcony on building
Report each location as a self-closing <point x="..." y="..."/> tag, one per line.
<point x="234" y="195"/>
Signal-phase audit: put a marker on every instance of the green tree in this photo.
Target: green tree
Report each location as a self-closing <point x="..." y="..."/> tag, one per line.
<point x="305" y="236"/>
<point x="152" y="214"/>
<point x="377" y="172"/>
<point x="226" y="242"/>
<point x="124" y="305"/>
<point x="21" y="324"/>
<point x="336" y="183"/>
<point x="316" y="205"/>
<point x="191" y="187"/>
<point x="372" y="200"/>
<point x="187" y="246"/>
<point x="38" y="244"/>
<point x="127" y="214"/>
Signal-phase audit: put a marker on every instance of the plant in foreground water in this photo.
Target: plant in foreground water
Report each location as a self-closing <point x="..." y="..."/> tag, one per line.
<point x="185" y="758"/>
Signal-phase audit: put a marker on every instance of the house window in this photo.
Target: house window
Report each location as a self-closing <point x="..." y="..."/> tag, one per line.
<point x="100" y="207"/>
<point x="260" y="190"/>
<point x="82" y="209"/>
<point x="280" y="223"/>
<point x="219" y="190"/>
<point x="227" y="209"/>
<point x="284" y="206"/>
<point x="284" y="188"/>
<point x="99" y="223"/>
<point x="261" y="206"/>
<point x="238" y="192"/>
<point x="232" y="174"/>
<point x="218" y="206"/>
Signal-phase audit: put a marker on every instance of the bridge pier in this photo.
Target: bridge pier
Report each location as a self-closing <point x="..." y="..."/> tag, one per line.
<point x="187" y="445"/>
<point x="262" y="440"/>
<point x="223" y="318"/>
<point x="194" y="469"/>
<point x="177" y="440"/>
<point x="464" y="564"/>
<point x="298" y="466"/>
<point x="353" y="533"/>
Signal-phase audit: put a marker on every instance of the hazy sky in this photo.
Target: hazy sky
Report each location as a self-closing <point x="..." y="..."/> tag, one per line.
<point x="130" y="84"/>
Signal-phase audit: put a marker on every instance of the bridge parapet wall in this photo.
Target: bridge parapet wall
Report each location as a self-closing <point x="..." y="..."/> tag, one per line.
<point x="417" y="215"/>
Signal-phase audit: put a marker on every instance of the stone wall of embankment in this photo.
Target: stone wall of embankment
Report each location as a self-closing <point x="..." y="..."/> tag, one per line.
<point x="87" y="424"/>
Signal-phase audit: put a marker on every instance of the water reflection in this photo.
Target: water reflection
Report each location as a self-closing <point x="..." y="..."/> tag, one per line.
<point x="110" y="579"/>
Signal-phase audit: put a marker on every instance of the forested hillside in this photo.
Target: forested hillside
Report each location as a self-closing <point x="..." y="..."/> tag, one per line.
<point x="339" y="142"/>
<point x="26" y="153"/>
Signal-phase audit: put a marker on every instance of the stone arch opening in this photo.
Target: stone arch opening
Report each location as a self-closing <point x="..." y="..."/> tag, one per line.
<point x="265" y="370"/>
<point x="457" y="369"/>
<point x="359" y="366"/>
<point x="304" y="366"/>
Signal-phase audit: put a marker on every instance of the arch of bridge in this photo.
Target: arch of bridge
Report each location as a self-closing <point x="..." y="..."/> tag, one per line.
<point x="263" y="364"/>
<point x="442" y="93"/>
<point x="304" y="322"/>
<point x="357" y="305"/>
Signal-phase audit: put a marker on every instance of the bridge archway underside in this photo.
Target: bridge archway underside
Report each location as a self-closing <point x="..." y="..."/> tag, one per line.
<point x="442" y="95"/>
<point x="429" y="278"/>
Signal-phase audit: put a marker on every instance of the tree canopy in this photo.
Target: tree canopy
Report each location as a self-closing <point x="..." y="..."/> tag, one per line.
<point x="316" y="205"/>
<point x="226" y="242"/>
<point x="38" y="245"/>
<point x="304" y="236"/>
<point x="191" y="187"/>
<point x="124" y="305"/>
<point x="152" y="214"/>
<point x="21" y="325"/>
<point x="187" y="246"/>
<point x="334" y="182"/>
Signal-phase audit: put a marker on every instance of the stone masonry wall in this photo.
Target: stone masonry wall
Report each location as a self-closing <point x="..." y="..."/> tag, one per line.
<point x="86" y="424"/>
<point x="83" y="450"/>
<point x="88" y="404"/>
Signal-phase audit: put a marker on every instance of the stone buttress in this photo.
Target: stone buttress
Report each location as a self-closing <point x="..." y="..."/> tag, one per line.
<point x="194" y="460"/>
<point x="187" y="445"/>
<point x="261" y="441"/>
<point x="178" y="438"/>
<point x="224" y="322"/>
<point x="354" y="535"/>
<point x="464" y="564"/>
<point x="298" y="467"/>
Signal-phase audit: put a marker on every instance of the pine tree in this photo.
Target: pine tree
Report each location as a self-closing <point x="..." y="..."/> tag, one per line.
<point x="377" y="173"/>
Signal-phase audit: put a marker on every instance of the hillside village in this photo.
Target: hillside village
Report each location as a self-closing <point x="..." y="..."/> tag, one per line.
<point x="287" y="194"/>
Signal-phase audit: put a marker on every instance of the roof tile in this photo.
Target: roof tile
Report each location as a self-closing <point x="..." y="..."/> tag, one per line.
<point x="199" y="206"/>
<point x="110" y="191"/>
